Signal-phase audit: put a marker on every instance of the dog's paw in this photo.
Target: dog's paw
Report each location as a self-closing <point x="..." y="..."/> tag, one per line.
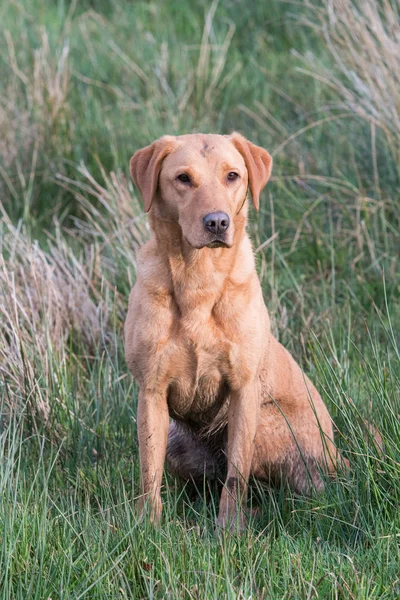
<point x="149" y="507"/>
<point x="232" y="521"/>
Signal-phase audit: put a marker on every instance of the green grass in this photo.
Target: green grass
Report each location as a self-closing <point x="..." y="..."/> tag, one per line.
<point x="82" y="86"/>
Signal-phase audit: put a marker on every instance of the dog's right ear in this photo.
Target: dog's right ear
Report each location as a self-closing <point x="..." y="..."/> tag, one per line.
<point x="145" y="166"/>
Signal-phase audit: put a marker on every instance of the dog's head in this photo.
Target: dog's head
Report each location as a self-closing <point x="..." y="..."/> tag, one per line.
<point x="201" y="181"/>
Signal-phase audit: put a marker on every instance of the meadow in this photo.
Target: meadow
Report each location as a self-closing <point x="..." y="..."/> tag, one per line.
<point x="83" y="84"/>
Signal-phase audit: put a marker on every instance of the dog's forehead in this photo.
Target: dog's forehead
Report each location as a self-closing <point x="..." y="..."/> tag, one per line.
<point x="199" y="147"/>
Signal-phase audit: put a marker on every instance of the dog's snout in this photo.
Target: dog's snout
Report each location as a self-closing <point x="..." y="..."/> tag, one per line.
<point x="217" y="222"/>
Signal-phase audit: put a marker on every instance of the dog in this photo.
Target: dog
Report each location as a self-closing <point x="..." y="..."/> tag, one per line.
<point x="198" y="338"/>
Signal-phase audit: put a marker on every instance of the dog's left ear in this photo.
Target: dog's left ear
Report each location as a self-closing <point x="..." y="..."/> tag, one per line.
<point x="258" y="164"/>
<point x="145" y="166"/>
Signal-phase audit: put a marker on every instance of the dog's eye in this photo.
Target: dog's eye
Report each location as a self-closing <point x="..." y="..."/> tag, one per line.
<point x="184" y="178"/>
<point x="232" y="176"/>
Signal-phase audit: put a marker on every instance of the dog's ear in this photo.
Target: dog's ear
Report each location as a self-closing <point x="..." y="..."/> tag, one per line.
<point x="258" y="164"/>
<point x="145" y="166"/>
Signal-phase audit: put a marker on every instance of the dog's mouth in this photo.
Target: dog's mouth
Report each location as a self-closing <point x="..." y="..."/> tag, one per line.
<point x="217" y="244"/>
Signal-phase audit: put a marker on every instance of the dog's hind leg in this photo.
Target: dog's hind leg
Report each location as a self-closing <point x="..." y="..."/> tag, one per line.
<point x="294" y="439"/>
<point x="192" y="458"/>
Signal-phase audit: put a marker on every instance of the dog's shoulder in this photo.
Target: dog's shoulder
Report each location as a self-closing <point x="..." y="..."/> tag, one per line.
<point x="152" y="277"/>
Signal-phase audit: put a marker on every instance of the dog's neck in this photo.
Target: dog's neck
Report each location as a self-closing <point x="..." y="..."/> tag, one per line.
<point x="198" y="278"/>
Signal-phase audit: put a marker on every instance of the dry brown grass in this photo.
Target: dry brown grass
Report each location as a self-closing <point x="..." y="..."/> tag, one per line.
<point x="113" y="217"/>
<point x="58" y="297"/>
<point x="363" y="37"/>
<point x="45" y="298"/>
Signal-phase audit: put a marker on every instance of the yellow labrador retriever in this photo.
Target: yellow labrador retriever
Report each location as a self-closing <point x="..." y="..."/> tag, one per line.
<point x="198" y="337"/>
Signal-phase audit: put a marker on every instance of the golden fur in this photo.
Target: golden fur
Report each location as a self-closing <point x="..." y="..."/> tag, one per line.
<point x="198" y="337"/>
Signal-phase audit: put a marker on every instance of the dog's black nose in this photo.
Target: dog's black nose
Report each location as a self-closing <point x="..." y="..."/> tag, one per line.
<point x="217" y="222"/>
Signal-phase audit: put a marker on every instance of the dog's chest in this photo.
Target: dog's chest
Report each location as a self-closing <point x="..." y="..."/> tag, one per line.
<point x="199" y="370"/>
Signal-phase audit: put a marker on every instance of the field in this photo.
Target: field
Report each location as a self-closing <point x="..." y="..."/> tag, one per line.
<point x="84" y="84"/>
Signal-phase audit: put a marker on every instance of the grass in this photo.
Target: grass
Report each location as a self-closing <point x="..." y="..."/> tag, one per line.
<point x="82" y="86"/>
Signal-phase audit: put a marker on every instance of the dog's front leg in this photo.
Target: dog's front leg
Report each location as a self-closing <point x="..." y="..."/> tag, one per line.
<point x="242" y="426"/>
<point x="153" y="422"/>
